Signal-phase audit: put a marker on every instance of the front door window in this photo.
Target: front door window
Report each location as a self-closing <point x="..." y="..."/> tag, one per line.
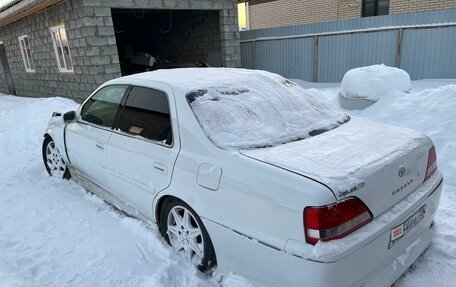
<point x="102" y="107"/>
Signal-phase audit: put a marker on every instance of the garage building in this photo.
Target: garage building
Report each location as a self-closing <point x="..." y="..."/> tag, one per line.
<point x="69" y="47"/>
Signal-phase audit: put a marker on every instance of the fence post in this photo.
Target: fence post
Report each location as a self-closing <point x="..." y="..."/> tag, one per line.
<point x="315" y="60"/>
<point x="400" y="36"/>
<point x="254" y="55"/>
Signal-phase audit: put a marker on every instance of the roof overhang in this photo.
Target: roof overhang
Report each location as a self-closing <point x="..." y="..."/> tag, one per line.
<point x="15" y="10"/>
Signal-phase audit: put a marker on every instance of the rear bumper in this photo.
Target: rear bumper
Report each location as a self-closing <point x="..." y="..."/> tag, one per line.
<point x="371" y="265"/>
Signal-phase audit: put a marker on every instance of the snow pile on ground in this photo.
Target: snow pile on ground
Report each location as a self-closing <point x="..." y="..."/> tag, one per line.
<point x="429" y="108"/>
<point x="433" y="112"/>
<point x="374" y="82"/>
<point x="53" y="233"/>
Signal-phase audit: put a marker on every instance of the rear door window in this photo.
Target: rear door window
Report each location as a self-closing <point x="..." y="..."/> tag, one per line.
<point x="102" y="107"/>
<point x="146" y="114"/>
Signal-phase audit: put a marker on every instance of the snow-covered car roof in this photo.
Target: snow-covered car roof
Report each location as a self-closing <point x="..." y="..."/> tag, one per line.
<point x="247" y="109"/>
<point x="198" y="78"/>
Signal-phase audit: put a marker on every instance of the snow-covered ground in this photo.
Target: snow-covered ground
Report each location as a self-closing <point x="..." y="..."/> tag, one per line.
<point x="53" y="233"/>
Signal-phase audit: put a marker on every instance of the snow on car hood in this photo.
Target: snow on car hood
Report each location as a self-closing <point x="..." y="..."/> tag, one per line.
<point x="360" y="158"/>
<point x="262" y="109"/>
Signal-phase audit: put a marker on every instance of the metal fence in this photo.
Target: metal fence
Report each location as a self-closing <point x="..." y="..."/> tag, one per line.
<point x="423" y="44"/>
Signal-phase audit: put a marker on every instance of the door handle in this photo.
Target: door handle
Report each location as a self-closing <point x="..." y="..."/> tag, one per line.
<point x="160" y="167"/>
<point x="99" y="146"/>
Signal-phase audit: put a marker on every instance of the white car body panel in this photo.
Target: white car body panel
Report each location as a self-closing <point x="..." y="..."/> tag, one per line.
<point x="138" y="168"/>
<point x="375" y="265"/>
<point x="365" y="165"/>
<point x="251" y="206"/>
<point x="86" y="148"/>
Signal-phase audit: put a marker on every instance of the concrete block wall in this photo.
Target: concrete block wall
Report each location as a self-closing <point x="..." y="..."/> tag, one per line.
<point x="294" y="12"/>
<point x="93" y="59"/>
<point x="90" y="31"/>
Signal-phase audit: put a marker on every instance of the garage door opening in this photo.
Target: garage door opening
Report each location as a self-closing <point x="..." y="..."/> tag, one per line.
<point x="149" y="39"/>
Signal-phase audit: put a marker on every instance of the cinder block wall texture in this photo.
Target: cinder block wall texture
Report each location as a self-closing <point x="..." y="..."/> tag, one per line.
<point x="90" y="31"/>
<point x="294" y="12"/>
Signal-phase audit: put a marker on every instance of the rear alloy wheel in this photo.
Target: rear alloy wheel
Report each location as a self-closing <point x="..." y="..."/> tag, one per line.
<point x="53" y="160"/>
<point x="185" y="232"/>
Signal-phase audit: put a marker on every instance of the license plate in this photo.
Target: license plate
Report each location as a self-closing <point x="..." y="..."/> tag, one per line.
<point x="399" y="231"/>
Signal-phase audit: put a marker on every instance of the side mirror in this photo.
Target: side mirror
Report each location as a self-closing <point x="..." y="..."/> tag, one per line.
<point x="69" y="117"/>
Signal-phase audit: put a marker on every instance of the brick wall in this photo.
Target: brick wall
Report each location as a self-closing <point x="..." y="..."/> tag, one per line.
<point x="90" y="31"/>
<point x="404" y="6"/>
<point x="294" y="12"/>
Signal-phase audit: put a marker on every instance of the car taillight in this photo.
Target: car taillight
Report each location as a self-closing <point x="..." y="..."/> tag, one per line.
<point x="335" y="220"/>
<point x="432" y="163"/>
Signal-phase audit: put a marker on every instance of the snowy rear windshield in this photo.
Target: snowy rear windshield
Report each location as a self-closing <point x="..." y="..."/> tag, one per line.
<point x="260" y="115"/>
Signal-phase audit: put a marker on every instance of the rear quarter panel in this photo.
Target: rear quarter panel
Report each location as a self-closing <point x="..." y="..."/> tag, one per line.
<point x="255" y="199"/>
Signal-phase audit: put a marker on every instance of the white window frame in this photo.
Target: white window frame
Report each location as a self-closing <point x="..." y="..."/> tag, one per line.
<point x="63" y="67"/>
<point x="27" y="59"/>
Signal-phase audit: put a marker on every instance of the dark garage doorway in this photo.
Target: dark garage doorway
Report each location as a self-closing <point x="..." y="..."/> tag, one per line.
<point x="149" y="39"/>
<point x="6" y="70"/>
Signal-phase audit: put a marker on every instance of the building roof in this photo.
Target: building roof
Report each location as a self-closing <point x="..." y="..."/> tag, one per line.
<point x="14" y="10"/>
<point x="7" y="3"/>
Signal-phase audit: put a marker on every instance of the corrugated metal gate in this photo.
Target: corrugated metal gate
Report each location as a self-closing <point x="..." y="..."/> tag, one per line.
<point x="423" y="44"/>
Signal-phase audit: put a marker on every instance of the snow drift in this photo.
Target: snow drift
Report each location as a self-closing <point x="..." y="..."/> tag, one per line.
<point x="363" y="86"/>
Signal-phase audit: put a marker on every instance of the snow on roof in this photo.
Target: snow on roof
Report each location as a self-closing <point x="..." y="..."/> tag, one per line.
<point x="246" y="109"/>
<point x="197" y="78"/>
<point x="5" y="3"/>
<point x="374" y="82"/>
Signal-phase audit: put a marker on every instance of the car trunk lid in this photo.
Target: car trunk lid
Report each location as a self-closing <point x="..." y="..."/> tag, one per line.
<point x="378" y="163"/>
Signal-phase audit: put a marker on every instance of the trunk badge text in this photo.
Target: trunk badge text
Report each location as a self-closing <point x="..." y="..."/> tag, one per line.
<point x="353" y="189"/>
<point x="402" y="187"/>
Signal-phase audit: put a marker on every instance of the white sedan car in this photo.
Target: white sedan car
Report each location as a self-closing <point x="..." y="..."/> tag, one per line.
<point x="244" y="172"/>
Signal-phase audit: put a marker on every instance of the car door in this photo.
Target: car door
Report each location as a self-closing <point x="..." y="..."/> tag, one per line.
<point x="142" y="150"/>
<point x="86" y="139"/>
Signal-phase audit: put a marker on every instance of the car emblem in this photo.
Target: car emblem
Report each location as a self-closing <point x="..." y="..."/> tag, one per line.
<point x="401" y="172"/>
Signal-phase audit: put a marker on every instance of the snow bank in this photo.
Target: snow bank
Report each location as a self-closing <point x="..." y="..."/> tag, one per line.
<point x="373" y="82"/>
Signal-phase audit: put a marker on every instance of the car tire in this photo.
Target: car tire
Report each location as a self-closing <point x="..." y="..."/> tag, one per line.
<point x="53" y="160"/>
<point x="184" y="231"/>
